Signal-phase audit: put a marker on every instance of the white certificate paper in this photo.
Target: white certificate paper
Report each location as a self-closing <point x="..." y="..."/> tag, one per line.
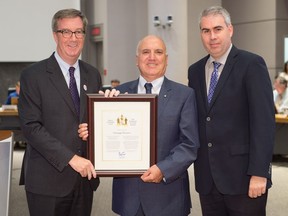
<point x="122" y="135"/>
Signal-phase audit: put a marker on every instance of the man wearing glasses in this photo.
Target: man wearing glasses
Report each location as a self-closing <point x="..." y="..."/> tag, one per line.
<point x="58" y="178"/>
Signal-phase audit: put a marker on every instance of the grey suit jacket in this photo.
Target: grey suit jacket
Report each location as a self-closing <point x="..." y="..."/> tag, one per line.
<point x="177" y="144"/>
<point x="50" y="123"/>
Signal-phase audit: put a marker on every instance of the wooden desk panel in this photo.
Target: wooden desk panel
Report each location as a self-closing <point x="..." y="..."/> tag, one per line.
<point x="281" y="135"/>
<point x="9" y="120"/>
<point x="281" y="118"/>
<point x="4" y="134"/>
<point x="9" y="113"/>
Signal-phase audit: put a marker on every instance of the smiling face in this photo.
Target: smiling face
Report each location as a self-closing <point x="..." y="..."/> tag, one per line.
<point x="215" y="34"/>
<point x="151" y="58"/>
<point x="69" y="49"/>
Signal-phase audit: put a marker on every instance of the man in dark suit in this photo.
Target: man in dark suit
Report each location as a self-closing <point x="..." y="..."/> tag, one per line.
<point x="164" y="188"/>
<point x="58" y="179"/>
<point x="236" y="123"/>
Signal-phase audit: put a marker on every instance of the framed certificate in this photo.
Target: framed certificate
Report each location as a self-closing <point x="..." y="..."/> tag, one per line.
<point x="122" y="133"/>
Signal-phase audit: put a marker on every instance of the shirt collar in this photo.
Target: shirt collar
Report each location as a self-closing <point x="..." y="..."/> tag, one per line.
<point x="156" y="85"/>
<point x="222" y="59"/>
<point x="64" y="66"/>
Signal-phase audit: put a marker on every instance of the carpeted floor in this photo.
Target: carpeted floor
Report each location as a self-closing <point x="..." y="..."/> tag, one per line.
<point x="277" y="199"/>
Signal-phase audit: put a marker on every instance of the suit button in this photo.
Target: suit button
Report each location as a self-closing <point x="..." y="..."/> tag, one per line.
<point x="209" y="145"/>
<point x="208" y="118"/>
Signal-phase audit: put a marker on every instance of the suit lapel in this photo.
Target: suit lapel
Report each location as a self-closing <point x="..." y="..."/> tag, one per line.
<point x="58" y="80"/>
<point x="224" y="75"/>
<point x="203" y="87"/>
<point x="133" y="88"/>
<point x="83" y="89"/>
<point x="164" y="95"/>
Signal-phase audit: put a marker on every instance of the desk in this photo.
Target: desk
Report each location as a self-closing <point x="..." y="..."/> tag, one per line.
<point x="281" y="135"/>
<point x="281" y="118"/>
<point x="9" y="120"/>
<point x="5" y="177"/>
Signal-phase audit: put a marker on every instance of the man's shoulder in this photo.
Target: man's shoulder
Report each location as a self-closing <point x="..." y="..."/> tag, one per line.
<point x="245" y="54"/>
<point x="177" y="86"/>
<point x="199" y="63"/>
<point x="87" y="66"/>
<point x="36" y="67"/>
<point x="130" y="84"/>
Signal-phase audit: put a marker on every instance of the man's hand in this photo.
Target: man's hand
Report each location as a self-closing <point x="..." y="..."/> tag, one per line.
<point x="83" y="131"/>
<point x="110" y="93"/>
<point x="83" y="128"/>
<point x="257" y="186"/>
<point x="83" y="166"/>
<point x="153" y="174"/>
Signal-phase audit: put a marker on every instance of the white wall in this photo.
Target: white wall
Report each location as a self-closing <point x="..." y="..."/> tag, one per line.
<point x="175" y="36"/>
<point x="26" y="34"/>
<point x="124" y="24"/>
<point x="286" y="49"/>
<point x="196" y="50"/>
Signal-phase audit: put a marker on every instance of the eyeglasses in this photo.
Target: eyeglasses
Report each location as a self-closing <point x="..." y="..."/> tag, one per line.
<point x="68" y="33"/>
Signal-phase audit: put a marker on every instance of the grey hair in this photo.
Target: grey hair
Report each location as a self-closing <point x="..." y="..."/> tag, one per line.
<point x="282" y="80"/>
<point x="216" y="10"/>
<point x="68" y="13"/>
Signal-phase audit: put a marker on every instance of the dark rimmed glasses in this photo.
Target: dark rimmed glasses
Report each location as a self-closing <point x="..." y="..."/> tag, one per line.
<point x="68" y="33"/>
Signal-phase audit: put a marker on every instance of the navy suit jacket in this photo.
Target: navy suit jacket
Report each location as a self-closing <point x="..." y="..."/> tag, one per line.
<point x="50" y="124"/>
<point x="177" y="144"/>
<point x="237" y="128"/>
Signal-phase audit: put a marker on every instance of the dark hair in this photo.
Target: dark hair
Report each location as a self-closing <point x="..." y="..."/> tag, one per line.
<point x="115" y="80"/>
<point x="285" y="67"/>
<point x="68" y="13"/>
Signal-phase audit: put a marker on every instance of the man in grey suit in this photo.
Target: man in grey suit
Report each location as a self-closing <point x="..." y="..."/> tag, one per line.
<point x="236" y="122"/>
<point x="164" y="188"/>
<point x="58" y="179"/>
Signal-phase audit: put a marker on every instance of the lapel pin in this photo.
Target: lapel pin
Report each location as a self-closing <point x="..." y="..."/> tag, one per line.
<point x="85" y="87"/>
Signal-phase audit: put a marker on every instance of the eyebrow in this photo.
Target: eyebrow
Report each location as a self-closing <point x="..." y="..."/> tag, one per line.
<point x="215" y="27"/>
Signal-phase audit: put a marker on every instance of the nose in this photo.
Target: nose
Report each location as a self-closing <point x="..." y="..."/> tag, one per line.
<point x="73" y="36"/>
<point x="152" y="55"/>
<point x="212" y="35"/>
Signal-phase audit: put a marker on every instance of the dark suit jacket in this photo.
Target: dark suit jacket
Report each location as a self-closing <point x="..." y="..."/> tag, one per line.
<point x="177" y="144"/>
<point x="237" y="128"/>
<point x="50" y="123"/>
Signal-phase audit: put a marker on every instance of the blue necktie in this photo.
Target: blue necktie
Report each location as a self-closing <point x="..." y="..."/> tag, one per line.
<point x="213" y="81"/>
<point x="74" y="91"/>
<point x="148" y="87"/>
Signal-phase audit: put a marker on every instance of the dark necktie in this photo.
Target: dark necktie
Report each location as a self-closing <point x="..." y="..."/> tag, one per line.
<point x="74" y="91"/>
<point x="213" y="81"/>
<point x="148" y="87"/>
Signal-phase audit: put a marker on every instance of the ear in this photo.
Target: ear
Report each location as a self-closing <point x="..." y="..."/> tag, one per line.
<point x="166" y="59"/>
<point x="55" y="36"/>
<point x="231" y="30"/>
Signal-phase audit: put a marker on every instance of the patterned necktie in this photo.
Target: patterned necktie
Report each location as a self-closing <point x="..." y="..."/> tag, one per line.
<point x="148" y="87"/>
<point x="73" y="90"/>
<point x="213" y="81"/>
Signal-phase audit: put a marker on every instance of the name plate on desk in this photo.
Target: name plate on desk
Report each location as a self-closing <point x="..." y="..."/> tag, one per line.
<point x="122" y="133"/>
<point x="9" y="107"/>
